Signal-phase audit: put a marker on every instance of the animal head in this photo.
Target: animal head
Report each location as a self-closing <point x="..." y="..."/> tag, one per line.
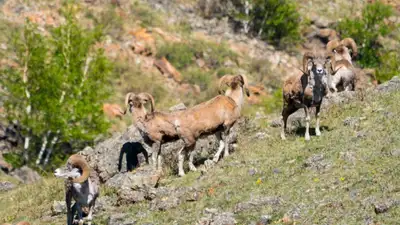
<point x="234" y="82"/>
<point x="76" y="169"/>
<point x="342" y="48"/>
<point x="137" y="102"/>
<point x="318" y="63"/>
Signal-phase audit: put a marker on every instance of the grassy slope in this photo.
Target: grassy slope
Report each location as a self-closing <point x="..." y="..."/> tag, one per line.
<point x="359" y="170"/>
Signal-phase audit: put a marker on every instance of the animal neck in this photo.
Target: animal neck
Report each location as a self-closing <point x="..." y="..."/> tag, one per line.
<point x="237" y="95"/>
<point x="139" y="113"/>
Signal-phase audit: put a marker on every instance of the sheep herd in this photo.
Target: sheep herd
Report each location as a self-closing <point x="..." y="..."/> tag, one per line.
<point x="323" y="73"/>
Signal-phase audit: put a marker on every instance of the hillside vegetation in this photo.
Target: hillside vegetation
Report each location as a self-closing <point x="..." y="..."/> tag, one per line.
<point x="177" y="50"/>
<point x="346" y="176"/>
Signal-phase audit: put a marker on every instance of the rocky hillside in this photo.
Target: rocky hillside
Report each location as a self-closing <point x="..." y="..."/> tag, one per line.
<point x="176" y="50"/>
<point x="348" y="175"/>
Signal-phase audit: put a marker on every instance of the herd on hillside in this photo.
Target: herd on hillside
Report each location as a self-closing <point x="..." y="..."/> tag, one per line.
<point x="323" y="73"/>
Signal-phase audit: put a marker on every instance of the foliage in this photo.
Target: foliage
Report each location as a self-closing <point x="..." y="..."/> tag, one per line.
<point x="198" y="77"/>
<point x="58" y="90"/>
<point x="390" y="65"/>
<point x="366" y="32"/>
<point x="182" y="55"/>
<point x="276" y="21"/>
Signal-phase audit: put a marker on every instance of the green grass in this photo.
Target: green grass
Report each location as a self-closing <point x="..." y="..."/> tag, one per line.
<point x="359" y="169"/>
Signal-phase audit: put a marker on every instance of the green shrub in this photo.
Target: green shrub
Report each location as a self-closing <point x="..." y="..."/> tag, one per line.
<point x="183" y="55"/>
<point x="366" y="31"/>
<point x="57" y="92"/>
<point x="276" y="21"/>
<point x="390" y="65"/>
<point x="273" y="103"/>
<point x="198" y="77"/>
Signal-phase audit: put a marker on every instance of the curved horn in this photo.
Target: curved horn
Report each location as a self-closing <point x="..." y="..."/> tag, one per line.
<point x="147" y="97"/>
<point x="306" y="57"/>
<point x="127" y="97"/>
<point x="332" y="45"/>
<point x="226" y="79"/>
<point x="80" y="162"/>
<point x="245" y="84"/>
<point x="350" y="43"/>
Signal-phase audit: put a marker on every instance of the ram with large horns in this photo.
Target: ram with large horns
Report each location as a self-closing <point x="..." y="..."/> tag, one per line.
<point x="80" y="185"/>
<point x="307" y="89"/>
<point x="216" y="115"/>
<point x="341" y="49"/>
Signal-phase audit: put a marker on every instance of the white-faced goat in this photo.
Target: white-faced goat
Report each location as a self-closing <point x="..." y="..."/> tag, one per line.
<point x="221" y="112"/>
<point x="306" y="90"/>
<point x="156" y="128"/>
<point x="81" y="186"/>
<point x="344" y="79"/>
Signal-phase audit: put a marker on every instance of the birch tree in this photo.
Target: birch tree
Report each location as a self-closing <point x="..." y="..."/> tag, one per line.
<point x="57" y="91"/>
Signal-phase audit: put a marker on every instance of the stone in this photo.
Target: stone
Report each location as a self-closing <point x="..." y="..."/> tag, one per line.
<point x="180" y="106"/>
<point x="26" y="175"/>
<point x="214" y="217"/>
<point x="351" y="122"/>
<point x="317" y="162"/>
<point x="381" y="207"/>
<point x="256" y="202"/>
<point x="58" y="208"/>
<point x="395" y="152"/>
<point x="264" y="220"/>
<point x="120" y="219"/>
<point x="6" y="186"/>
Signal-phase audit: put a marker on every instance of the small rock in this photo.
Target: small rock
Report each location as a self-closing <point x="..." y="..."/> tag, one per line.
<point x="120" y="219"/>
<point x="58" y="207"/>
<point x="257" y="202"/>
<point x="252" y="172"/>
<point x="264" y="220"/>
<point x="180" y="106"/>
<point x="6" y="186"/>
<point x="395" y="152"/>
<point x="317" y="162"/>
<point x="26" y="175"/>
<point x="351" y="121"/>
<point x="261" y="135"/>
<point x="381" y="207"/>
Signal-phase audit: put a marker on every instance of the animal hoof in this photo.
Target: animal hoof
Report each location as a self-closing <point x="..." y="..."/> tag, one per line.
<point x="181" y="174"/>
<point x="283" y="137"/>
<point x="318" y="133"/>
<point x="215" y="159"/>
<point x="192" y="168"/>
<point x="307" y="138"/>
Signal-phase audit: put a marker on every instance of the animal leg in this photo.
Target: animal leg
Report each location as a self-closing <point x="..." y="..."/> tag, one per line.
<point x="307" y="134"/>
<point x="70" y="211"/>
<point x="220" y="148"/>
<point x="317" y="111"/>
<point x="159" y="158"/>
<point x="181" y="157"/>
<point x="227" y="140"/>
<point x="154" y="154"/>
<point x="286" y="112"/>
<point x="80" y="217"/>
<point x="89" y="217"/>
<point x="191" y="157"/>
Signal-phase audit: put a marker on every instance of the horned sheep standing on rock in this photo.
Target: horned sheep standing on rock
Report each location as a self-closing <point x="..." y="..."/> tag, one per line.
<point x="81" y="186"/>
<point x="156" y="128"/>
<point x="307" y="90"/>
<point x="346" y="74"/>
<point x="221" y="111"/>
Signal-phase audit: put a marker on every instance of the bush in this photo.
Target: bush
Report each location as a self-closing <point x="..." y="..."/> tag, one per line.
<point x="366" y="31"/>
<point x="183" y="55"/>
<point x="199" y="77"/>
<point x="56" y="94"/>
<point x="276" y="21"/>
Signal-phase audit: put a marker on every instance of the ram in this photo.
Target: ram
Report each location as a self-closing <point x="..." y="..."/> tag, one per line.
<point x="80" y="185"/>
<point x="344" y="79"/>
<point x="307" y="90"/>
<point x="213" y="116"/>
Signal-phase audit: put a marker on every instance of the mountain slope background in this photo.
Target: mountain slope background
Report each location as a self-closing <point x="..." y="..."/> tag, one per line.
<point x="176" y="50"/>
